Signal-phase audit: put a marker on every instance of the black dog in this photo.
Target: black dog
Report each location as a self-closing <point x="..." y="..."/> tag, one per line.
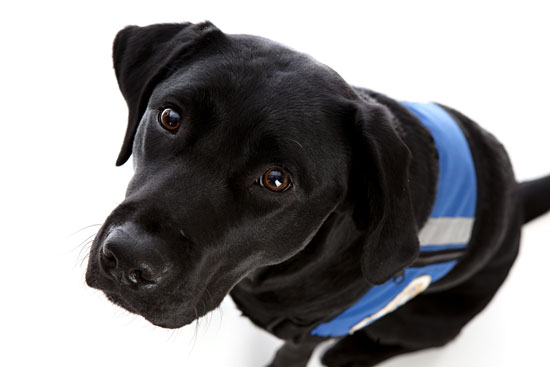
<point x="261" y="173"/>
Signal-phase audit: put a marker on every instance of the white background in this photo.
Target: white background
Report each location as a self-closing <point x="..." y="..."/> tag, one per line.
<point x="63" y="119"/>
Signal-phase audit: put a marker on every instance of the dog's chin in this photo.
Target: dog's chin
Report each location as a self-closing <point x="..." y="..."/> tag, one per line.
<point x="171" y="324"/>
<point x="172" y="321"/>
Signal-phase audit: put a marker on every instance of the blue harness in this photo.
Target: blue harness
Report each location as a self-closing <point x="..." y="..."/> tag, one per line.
<point x="448" y="228"/>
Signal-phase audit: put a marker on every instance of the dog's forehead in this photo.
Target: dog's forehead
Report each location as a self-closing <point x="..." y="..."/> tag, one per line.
<point x="247" y="66"/>
<point x="258" y="101"/>
<point x="250" y="108"/>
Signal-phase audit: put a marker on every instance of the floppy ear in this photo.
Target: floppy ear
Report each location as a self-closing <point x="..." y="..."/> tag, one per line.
<point x="144" y="56"/>
<point x="380" y="190"/>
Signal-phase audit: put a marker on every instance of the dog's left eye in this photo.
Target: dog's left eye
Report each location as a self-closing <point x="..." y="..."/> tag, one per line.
<point x="170" y="119"/>
<point x="275" y="179"/>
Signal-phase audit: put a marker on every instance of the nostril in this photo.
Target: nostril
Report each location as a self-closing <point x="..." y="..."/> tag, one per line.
<point x="108" y="262"/>
<point x="108" y="258"/>
<point x="140" y="277"/>
<point x="145" y="273"/>
<point x="135" y="277"/>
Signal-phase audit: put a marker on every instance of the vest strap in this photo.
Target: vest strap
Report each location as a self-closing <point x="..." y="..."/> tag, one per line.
<point x="442" y="239"/>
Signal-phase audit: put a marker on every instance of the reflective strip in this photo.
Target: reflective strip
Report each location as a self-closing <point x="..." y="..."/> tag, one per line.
<point x="446" y="230"/>
<point x="415" y="287"/>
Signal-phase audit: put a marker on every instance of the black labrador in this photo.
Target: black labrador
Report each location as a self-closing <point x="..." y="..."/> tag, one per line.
<point x="261" y="173"/>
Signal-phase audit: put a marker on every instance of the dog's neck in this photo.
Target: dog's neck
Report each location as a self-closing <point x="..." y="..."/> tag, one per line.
<point x="287" y="299"/>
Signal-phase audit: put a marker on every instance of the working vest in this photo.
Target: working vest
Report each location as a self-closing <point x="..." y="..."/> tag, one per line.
<point x="442" y="239"/>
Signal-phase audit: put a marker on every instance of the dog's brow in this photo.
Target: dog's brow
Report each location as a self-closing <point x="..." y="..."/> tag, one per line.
<point x="276" y="149"/>
<point x="295" y="141"/>
<point x="184" y="96"/>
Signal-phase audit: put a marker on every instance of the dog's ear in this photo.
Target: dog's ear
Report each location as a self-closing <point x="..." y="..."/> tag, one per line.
<point x="144" y="56"/>
<point x="379" y="188"/>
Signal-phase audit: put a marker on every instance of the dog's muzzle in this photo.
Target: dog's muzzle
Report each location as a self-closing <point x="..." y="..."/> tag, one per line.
<point x="132" y="259"/>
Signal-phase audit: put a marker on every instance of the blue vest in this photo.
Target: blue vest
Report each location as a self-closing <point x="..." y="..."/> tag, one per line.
<point x="448" y="228"/>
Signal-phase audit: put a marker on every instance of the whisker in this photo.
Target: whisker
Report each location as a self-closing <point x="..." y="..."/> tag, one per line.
<point x="205" y="316"/>
<point x="81" y="243"/>
<point x="86" y="256"/>
<point x="209" y="322"/>
<point x="84" y="243"/>
<point x="195" y="333"/>
<point x="172" y="335"/>
<point x="82" y="229"/>
<point x="219" y="308"/>
<point x="211" y="314"/>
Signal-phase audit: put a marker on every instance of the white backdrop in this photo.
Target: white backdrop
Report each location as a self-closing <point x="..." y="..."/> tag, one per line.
<point x="63" y="119"/>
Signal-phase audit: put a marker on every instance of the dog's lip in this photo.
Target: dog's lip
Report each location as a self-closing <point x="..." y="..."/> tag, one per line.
<point x="173" y="322"/>
<point x="97" y="281"/>
<point x="185" y="315"/>
<point x="119" y="301"/>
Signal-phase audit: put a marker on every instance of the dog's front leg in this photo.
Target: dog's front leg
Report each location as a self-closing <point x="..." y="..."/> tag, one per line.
<point x="293" y="354"/>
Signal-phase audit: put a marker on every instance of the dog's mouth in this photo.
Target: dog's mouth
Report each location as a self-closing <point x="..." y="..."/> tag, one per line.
<point x="169" y="303"/>
<point x="158" y="314"/>
<point x="163" y="308"/>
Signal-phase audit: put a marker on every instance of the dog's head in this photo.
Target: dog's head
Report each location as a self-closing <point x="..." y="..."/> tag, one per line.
<point x="241" y="149"/>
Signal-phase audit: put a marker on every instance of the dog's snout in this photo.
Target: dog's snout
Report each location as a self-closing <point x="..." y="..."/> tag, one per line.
<point x="132" y="260"/>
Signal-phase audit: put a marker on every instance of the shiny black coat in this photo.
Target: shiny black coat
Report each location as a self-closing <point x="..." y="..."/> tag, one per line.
<point x="197" y="224"/>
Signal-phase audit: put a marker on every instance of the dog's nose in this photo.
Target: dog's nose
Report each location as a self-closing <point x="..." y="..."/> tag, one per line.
<point x="132" y="259"/>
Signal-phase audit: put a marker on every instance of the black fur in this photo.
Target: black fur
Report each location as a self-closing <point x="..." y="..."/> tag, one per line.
<point x="196" y="225"/>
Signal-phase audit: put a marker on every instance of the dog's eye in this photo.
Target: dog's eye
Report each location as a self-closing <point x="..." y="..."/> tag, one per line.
<point x="170" y="119"/>
<point x="275" y="179"/>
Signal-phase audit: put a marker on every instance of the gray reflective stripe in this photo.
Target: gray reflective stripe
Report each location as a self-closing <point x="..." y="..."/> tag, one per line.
<point x="446" y="230"/>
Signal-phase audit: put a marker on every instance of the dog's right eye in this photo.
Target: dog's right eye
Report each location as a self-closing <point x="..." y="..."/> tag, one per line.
<point x="170" y="119"/>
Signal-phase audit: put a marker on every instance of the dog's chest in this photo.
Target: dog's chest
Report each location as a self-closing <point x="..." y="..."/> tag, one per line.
<point x="443" y="238"/>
